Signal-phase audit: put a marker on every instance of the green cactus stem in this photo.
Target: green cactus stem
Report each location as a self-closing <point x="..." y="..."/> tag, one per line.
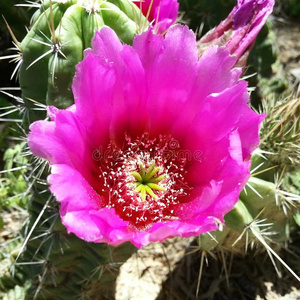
<point x="59" y="33"/>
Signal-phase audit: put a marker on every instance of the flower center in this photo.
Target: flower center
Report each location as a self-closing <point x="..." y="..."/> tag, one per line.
<point x="143" y="180"/>
<point x="147" y="182"/>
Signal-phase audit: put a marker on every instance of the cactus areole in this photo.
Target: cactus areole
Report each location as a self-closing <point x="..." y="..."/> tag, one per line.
<point x="150" y="149"/>
<point x="59" y="33"/>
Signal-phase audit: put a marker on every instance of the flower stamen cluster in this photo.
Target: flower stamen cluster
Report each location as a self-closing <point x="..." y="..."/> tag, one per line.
<point x="144" y="179"/>
<point x="146" y="182"/>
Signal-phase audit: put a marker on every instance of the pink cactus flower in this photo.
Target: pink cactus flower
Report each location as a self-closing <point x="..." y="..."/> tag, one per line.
<point x="240" y="29"/>
<point x="160" y="13"/>
<point x="157" y="143"/>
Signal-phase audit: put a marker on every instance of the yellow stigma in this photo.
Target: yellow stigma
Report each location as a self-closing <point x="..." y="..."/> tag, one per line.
<point x="146" y="181"/>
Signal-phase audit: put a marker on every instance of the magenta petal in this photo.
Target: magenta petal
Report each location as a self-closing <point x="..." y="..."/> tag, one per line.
<point x="42" y="134"/>
<point x="249" y="131"/>
<point x="215" y="71"/>
<point x="100" y="229"/>
<point x="104" y="227"/>
<point x="248" y="20"/>
<point x="214" y="74"/>
<point x="201" y="203"/>
<point x="77" y="199"/>
<point x="115" y="230"/>
<point x="161" y="13"/>
<point x="78" y="222"/>
<point x="220" y="194"/>
<point x="106" y="45"/>
<point x="222" y="116"/>
<point x="72" y="190"/>
<point x="221" y="113"/>
<point x="196" y="226"/>
<point x="117" y="102"/>
<point x="49" y="141"/>
<point x="56" y="141"/>
<point x="112" y="227"/>
<point x="240" y="29"/>
<point x="173" y="81"/>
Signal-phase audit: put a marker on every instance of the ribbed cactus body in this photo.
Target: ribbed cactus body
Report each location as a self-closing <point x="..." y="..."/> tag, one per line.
<point x="59" y="33"/>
